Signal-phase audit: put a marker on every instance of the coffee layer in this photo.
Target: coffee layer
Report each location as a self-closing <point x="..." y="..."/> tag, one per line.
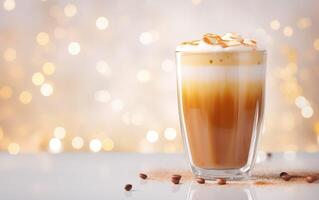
<point x="219" y="118"/>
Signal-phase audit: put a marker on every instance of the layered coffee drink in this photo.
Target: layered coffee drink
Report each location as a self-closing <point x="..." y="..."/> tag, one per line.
<point x="221" y="83"/>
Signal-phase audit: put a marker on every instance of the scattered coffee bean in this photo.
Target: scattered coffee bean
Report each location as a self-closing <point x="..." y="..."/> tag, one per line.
<point x="283" y="174"/>
<point x="175" y="181"/>
<point x="143" y="176"/>
<point x="200" y="180"/>
<point x="286" y="177"/>
<point x="221" y="181"/>
<point x="176" y="176"/>
<point x="128" y="187"/>
<point x="269" y="155"/>
<point x="311" y="179"/>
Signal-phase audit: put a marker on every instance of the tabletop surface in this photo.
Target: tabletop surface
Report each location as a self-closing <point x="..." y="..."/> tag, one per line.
<point x="103" y="176"/>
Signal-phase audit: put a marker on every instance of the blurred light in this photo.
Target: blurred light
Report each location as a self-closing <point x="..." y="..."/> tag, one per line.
<point x="152" y="136"/>
<point x="304" y="22"/>
<point x="9" y="54"/>
<point x="70" y="10"/>
<point x="170" y="133"/>
<point x="74" y="48"/>
<point x="143" y="76"/>
<point x="301" y="102"/>
<point x="48" y="68"/>
<point x="275" y="25"/>
<point x="307" y="112"/>
<point x="196" y="2"/>
<point x="43" y="38"/>
<point x="318" y="139"/>
<point x="5" y="92"/>
<point x="146" y="38"/>
<point x="288" y="31"/>
<point x="289" y="155"/>
<point x="108" y="144"/>
<point x="95" y="145"/>
<point x="55" y="145"/>
<point x="291" y="89"/>
<point x="59" y="132"/>
<point x="101" y="23"/>
<point x="261" y="156"/>
<point x="37" y="78"/>
<point x="59" y="33"/>
<point x="137" y="119"/>
<point x="117" y="105"/>
<point x="77" y="142"/>
<point x="102" y="96"/>
<point x="25" y="97"/>
<point x="103" y="68"/>
<point x="316" y="44"/>
<point x="13" y="148"/>
<point x="168" y="65"/>
<point x="46" y="90"/>
<point x="9" y="5"/>
<point x="316" y="127"/>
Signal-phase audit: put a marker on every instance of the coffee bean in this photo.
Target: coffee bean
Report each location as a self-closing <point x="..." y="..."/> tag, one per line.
<point x="286" y="177"/>
<point x="269" y="155"/>
<point x="200" y="180"/>
<point x="175" y="181"/>
<point x="283" y="174"/>
<point x="176" y="176"/>
<point x="311" y="179"/>
<point x="143" y="176"/>
<point x="128" y="187"/>
<point x="221" y="181"/>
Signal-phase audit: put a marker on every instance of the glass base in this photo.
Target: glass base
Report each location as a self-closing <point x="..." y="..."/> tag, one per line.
<point x="229" y="174"/>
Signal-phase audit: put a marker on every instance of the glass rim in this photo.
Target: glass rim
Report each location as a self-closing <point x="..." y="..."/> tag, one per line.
<point x="264" y="51"/>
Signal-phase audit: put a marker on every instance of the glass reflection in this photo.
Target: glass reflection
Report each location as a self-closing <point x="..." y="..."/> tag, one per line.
<point x="203" y="192"/>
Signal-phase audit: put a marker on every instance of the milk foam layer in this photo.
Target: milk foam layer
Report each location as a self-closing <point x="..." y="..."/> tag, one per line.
<point x="221" y="73"/>
<point x="211" y="42"/>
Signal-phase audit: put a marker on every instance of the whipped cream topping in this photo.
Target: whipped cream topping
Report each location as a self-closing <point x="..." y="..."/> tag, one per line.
<point x="214" y="42"/>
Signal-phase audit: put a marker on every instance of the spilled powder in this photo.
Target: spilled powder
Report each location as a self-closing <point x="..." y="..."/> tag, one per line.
<point x="260" y="177"/>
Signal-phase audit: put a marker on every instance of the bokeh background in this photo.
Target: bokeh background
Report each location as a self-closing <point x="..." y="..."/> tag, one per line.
<point x="99" y="76"/>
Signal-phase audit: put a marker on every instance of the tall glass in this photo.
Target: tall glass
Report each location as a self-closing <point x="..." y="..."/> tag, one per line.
<point x="221" y="101"/>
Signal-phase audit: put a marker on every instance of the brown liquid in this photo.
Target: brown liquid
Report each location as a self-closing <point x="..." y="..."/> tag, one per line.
<point x="219" y="117"/>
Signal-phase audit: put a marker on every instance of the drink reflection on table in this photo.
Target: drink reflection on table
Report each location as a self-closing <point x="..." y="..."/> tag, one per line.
<point x="203" y="192"/>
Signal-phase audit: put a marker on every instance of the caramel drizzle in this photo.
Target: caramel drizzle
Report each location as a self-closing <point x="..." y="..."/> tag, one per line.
<point x="227" y="40"/>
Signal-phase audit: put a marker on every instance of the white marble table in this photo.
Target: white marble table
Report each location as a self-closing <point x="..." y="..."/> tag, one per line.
<point x="103" y="176"/>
